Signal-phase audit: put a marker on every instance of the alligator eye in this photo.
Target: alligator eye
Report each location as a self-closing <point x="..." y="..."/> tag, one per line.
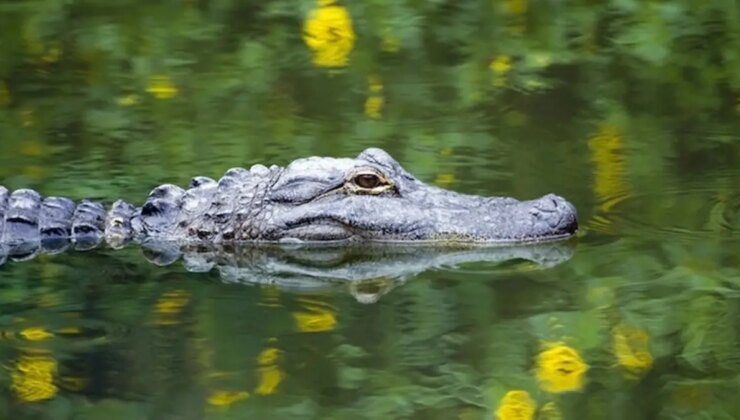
<point x="368" y="181"/>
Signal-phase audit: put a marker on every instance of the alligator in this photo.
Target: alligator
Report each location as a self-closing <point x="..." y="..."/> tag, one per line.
<point x="318" y="199"/>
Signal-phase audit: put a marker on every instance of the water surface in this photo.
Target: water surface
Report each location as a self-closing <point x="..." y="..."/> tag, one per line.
<point x="630" y="116"/>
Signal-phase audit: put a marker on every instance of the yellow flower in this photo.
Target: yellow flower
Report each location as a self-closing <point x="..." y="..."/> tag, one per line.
<point x="171" y="302"/>
<point x="375" y="101"/>
<point x="318" y="320"/>
<point x="630" y="346"/>
<point x="270" y="379"/>
<point x="560" y="369"/>
<point x="501" y="65"/>
<point x="36" y="334"/>
<point x="268" y="356"/>
<point x="128" y="100"/>
<point x="33" y="378"/>
<point x="328" y="32"/>
<point x="169" y="305"/>
<point x="516" y="405"/>
<point x="607" y="148"/>
<point x="4" y="94"/>
<point x="270" y="375"/>
<point x="161" y="87"/>
<point x="226" y="398"/>
<point x="374" y="106"/>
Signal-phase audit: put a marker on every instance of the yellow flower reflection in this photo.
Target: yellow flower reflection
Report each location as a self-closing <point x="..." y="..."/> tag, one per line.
<point x="270" y="379"/>
<point x="516" y="405"/>
<point x="318" y="318"/>
<point x="33" y="378"/>
<point x="169" y="306"/>
<point x="128" y="100"/>
<point x="35" y="334"/>
<point x="268" y="356"/>
<point x="630" y="346"/>
<point x="270" y="375"/>
<point x="328" y="33"/>
<point x="162" y="87"/>
<point x="226" y="398"/>
<point x="560" y="369"/>
<point x="373" y="106"/>
<point x="607" y="147"/>
<point x="375" y="101"/>
<point x="500" y="66"/>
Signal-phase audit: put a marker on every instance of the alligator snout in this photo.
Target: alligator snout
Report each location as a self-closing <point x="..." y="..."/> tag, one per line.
<point x="556" y="213"/>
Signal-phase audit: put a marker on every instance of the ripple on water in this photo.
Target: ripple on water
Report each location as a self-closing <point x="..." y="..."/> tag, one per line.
<point x="679" y="213"/>
<point x="501" y="260"/>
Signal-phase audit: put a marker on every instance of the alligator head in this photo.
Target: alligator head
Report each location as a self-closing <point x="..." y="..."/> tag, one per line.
<point x="372" y="198"/>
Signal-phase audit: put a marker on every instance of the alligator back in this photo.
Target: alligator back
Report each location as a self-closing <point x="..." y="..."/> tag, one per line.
<point x="27" y="218"/>
<point x="208" y="211"/>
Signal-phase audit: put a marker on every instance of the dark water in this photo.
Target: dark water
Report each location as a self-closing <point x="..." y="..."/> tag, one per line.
<point x="629" y="110"/>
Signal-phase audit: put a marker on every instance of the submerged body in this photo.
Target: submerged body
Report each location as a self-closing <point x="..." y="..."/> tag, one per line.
<point x="370" y="198"/>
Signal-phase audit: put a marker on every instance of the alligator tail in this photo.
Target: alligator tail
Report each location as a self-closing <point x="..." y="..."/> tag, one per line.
<point x="29" y="222"/>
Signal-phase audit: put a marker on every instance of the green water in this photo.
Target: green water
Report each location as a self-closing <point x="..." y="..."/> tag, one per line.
<point x="628" y="109"/>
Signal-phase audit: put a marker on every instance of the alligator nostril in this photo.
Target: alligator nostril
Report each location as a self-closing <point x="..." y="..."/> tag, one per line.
<point x="554" y="202"/>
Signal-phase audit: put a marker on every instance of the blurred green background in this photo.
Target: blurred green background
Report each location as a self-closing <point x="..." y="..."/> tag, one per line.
<point x="630" y="109"/>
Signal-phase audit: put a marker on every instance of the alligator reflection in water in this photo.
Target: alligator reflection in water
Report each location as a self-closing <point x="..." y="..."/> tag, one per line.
<point x="367" y="271"/>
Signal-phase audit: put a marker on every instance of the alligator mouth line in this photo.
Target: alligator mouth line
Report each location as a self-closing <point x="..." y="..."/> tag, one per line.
<point x="476" y="241"/>
<point x="412" y="236"/>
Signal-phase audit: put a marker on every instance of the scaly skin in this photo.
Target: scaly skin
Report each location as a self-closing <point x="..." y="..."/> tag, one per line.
<point x="370" y="198"/>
